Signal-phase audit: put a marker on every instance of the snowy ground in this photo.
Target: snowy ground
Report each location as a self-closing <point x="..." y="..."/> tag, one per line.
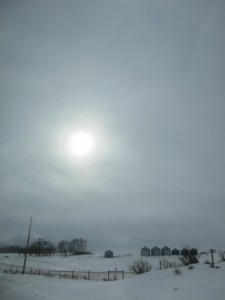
<point x="95" y="262"/>
<point x="202" y="282"/>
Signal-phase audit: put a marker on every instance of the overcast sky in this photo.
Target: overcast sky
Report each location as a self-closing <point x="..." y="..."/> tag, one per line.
<point x="146" y="80"/>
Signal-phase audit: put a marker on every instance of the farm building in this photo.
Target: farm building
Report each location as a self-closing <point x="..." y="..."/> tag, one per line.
<point x="166" y="251"/>
<point x="185" y="252"/>
<point x="155" y="251"/>
<point x="108" y="254"/>
<point x="175" y="252"/>
<point x="145" y="251"/>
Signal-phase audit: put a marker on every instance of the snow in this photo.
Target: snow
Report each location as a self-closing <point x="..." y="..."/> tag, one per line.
<point x="202" y="282"/>
<point x="95" y="262"/>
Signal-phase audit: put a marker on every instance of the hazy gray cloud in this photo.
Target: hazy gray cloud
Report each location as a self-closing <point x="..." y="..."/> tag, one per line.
<point x="146" y="78"/>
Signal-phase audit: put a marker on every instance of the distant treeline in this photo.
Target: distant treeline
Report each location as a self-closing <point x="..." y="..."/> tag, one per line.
<point x="42" y="247"/>
<point x="12" y="249"/>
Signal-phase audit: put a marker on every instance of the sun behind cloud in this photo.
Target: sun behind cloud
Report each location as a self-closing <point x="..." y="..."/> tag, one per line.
<point x="81" y="143"/>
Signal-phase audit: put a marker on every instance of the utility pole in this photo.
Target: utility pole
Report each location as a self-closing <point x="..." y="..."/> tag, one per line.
<point x="26" y="251"/>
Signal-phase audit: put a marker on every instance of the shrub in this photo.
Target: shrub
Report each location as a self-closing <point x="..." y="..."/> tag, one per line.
<point x="177" y="271"/>
<point x="184" y="260"/>
<point x="212" y="265"/>
<point x="167" y="264"/>
<point x="221" y="255"/>
<point x="189" y="256"/>
<point x="140" y="266"/>
<point x="190" y="267"/>
<point x="189" y="259"/>
<point x="193" y="259"/>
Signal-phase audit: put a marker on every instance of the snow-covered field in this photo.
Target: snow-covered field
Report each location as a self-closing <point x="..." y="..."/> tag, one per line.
<point x="202" y="282"/>
<point x="95" y="262"/>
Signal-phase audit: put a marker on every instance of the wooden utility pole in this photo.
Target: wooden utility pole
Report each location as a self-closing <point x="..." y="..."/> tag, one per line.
<point x="26" y="251"/>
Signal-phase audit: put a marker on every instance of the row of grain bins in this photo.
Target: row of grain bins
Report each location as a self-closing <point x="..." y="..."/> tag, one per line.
<point x="166" y="251"/>
<point x="155" y="251"/>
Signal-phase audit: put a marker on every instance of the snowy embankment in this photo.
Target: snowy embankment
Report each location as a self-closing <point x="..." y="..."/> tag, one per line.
<point x="200" y="283"/>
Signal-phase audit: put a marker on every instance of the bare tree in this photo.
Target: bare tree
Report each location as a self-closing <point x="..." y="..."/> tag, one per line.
<point x="78" y="246"/>
<point x="42" y="247"/>
<point x="64" y="247"/>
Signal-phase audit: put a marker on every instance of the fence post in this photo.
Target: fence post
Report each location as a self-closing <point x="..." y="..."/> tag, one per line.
<point x="160" y="264"/>
<point x="212" y="257"/>
<point x="115" y="275"/>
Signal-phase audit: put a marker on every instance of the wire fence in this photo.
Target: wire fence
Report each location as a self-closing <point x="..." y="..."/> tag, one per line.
<point x="87" y="275"/>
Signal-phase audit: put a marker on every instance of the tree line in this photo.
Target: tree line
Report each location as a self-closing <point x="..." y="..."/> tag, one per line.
<point x="42" y="247"/>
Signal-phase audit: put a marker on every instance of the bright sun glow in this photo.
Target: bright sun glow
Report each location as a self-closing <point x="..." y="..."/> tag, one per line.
<point x="81" y="143"/>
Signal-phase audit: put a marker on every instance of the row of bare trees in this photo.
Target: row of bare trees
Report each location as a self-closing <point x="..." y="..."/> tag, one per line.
<point x="11" y="249"/>
<point x="42" y="247"/>
<point x="74" y="247"/>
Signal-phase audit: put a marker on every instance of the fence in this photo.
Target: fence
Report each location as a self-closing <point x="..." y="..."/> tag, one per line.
<point x="88" y="275"/>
